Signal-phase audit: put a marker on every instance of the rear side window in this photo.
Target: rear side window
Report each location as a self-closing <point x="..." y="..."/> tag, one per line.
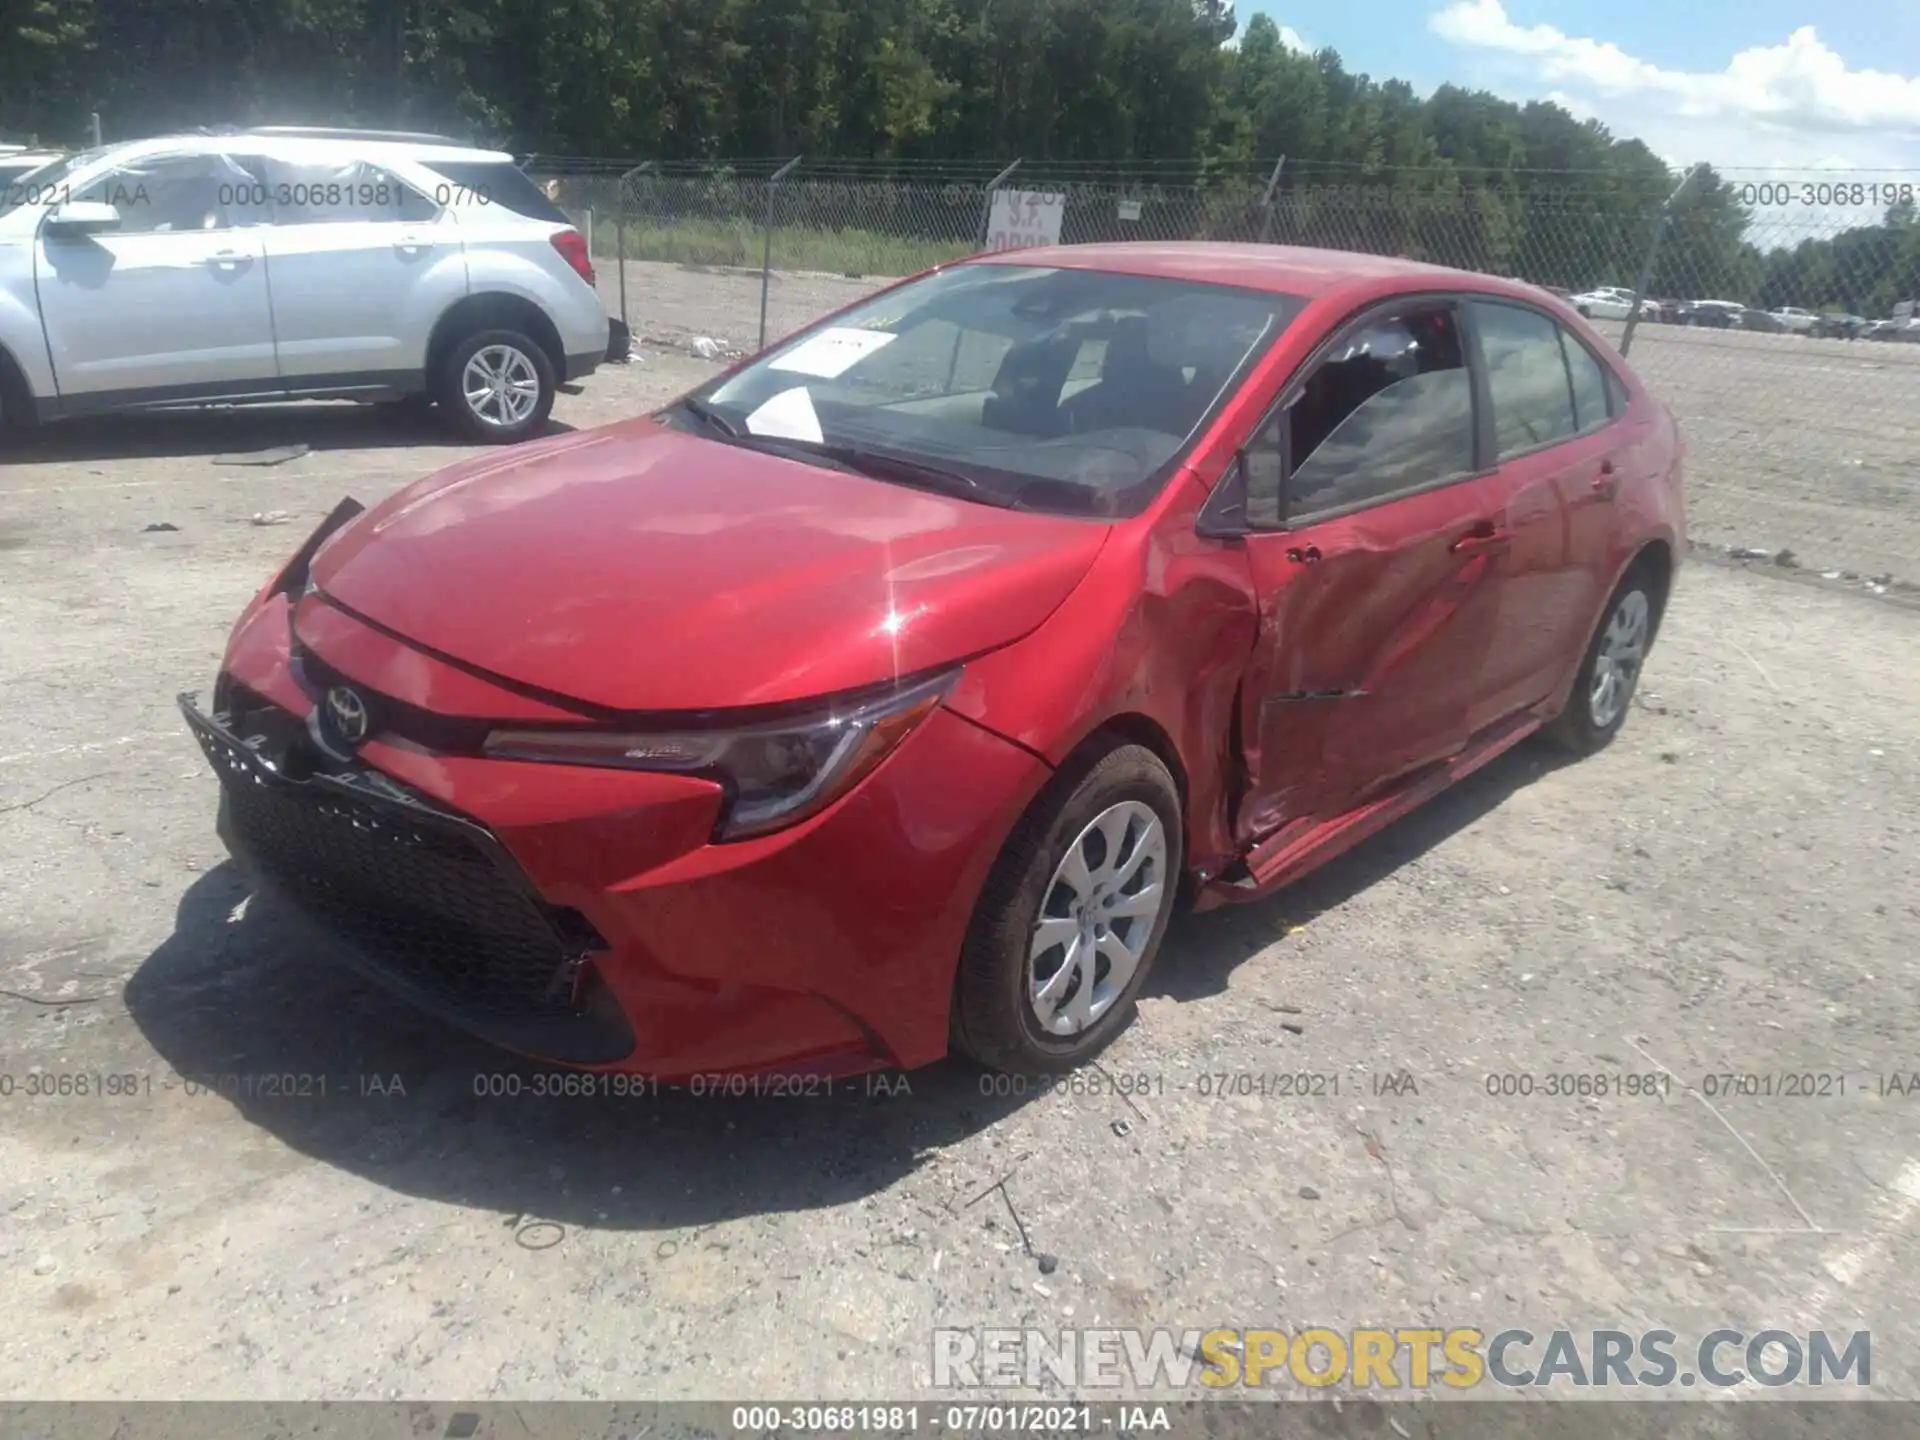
<point x="1526" y="378"/>
<point x="1390" y="410"/>
<point x="493" y="183"/>
<point x="1589" y="385"/>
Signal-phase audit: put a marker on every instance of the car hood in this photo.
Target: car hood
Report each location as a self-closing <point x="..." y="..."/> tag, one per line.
<point x="637" y="567"/>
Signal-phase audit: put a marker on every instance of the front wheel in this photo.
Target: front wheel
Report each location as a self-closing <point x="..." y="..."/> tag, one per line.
<point x="1071" y="917"/>
<point x="496" y="387"/>
<point x="1610" y="670"/>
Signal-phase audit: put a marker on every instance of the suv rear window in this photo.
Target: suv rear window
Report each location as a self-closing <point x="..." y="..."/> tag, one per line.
<point x="494" y="183"/>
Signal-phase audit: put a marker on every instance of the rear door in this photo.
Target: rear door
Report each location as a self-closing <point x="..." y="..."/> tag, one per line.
<point x="1548" y="463"/>
<point x="1375" y="568"/>
<point x="173" y="302"/>
<point x="361" y="265"/>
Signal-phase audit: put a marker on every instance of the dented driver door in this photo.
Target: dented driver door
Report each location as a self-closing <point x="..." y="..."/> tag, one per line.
<point x="1379" y="593"/>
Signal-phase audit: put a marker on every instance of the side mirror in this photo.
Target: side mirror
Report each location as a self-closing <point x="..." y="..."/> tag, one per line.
<point x="82" y="217"/>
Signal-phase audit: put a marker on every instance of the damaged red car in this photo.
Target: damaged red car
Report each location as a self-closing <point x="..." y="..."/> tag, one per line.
<point x="886" y="694"/>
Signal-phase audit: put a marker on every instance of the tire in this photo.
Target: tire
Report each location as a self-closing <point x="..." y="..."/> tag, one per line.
<point x="1125" y="794"/>
<point x="1585" y="313"/>
<point x="523" y="362"/>
<point x="1594" y="715"/>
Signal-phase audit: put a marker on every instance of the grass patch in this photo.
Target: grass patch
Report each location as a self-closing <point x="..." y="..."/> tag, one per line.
<point x="837" y="252"/>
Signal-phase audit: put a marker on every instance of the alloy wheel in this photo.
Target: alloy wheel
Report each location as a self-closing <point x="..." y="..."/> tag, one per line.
<point x="1616" y="667"/>
<point x="1097" y="917"/>
<point x="501" y="385"/>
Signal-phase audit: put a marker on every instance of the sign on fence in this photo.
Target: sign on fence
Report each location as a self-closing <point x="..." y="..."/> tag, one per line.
<point x="1022" y="219"/>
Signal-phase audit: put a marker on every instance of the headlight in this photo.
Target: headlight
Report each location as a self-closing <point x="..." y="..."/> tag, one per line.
<point x="776" y="773"/>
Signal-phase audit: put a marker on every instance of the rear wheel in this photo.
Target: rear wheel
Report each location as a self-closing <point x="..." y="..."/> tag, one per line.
<point x="1072" y="916"/>
<point x="496" y="387"/>
<point x="1610" y="671"/>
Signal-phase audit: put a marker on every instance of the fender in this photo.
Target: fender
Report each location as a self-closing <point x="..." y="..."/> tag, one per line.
<point x="1154" y="641"/>
<point x="24" y="341"/>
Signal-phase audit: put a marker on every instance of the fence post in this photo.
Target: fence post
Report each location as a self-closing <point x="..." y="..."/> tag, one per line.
<point x="1266" y="203"/>
<point x="766" y="253"/>
<point x="620" y="232"/>
<point x="986" y="219"/>
<point x="1653" y="253"/>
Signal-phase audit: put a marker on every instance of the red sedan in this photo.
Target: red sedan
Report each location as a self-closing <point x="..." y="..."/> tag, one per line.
<point x="886" y="693"/>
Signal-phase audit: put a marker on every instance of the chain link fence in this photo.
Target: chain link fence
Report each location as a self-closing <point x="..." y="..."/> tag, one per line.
<point x="1779" y="334"/>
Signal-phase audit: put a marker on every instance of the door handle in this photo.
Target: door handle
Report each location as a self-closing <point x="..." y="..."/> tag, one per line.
<point x="1606" y="482"/>
<point x="229" y="259"/>
<point x="1483" y="537"/>
<point x="1303" y="554"/>
<point x="410" y="244"/>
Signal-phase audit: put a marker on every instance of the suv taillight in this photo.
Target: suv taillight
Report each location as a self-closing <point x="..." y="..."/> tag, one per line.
<point x="573" y="249"/>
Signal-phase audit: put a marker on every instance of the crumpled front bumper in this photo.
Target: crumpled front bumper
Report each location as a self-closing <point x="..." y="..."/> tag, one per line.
<point x="826" y="948"/>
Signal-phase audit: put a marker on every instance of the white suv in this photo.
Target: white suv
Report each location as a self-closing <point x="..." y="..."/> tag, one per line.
<point x="281" y="263"/>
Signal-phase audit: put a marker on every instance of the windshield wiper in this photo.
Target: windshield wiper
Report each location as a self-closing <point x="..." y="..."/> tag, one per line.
<point x="882" y="465"/>
<point x="709" y="417"/>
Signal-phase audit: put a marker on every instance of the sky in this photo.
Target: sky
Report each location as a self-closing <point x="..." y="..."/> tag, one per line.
<point x="1790" y="86"/>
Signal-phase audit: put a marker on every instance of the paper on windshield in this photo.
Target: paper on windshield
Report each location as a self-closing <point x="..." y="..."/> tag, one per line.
<point x="831" y="353"/>
<point x="787" y="416"/>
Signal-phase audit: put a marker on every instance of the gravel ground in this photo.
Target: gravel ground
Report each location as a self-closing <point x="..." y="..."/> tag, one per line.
<point x="1722" y="891"/>
<point x="1809" y="446"/>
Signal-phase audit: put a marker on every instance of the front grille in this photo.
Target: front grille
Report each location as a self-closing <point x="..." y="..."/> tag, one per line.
<point x="418" y="896"/>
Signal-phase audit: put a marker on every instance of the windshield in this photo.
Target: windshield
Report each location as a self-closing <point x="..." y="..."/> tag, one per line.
<point x="45" y="186"/>
<point x="1065" y="390"/>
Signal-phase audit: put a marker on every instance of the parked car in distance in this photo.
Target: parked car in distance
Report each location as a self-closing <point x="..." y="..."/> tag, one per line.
<point x="1834" y="326"/>
<point x="861" y="700"/>
<point x="1791" y="317"/>
<point x="1660" y="312"/>
<point x="1715" y="314"/>
<point x="1762" y="320"/>
<point x="1905" y="332"/>
<point x="286" y="263"/>
<point x="1605" y="302"/>
<point x="17" y="161"/>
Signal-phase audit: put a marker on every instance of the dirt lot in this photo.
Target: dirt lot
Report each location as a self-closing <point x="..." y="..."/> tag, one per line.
<point x="1811" y="446"/>
<point x="1727" y="890"/>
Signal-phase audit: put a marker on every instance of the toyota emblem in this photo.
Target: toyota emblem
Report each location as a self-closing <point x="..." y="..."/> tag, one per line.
<point x="347" y="713"/>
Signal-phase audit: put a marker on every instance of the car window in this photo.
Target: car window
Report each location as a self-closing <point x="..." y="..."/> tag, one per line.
<point x="1590" y="408"/>
<point x="1390" y="410"/>
<point x="1071" y="390"/>
<point x="166" y="194"/>
<point x="332" y="192"/>
<point x="1526" y="377"/>
<point x="485" y="183"/>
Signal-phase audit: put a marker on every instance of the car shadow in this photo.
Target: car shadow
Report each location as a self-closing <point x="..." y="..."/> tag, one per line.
<point x="236" y="430"/>
<point x="239" y="1005"/>
<point x="1201" y="951"/>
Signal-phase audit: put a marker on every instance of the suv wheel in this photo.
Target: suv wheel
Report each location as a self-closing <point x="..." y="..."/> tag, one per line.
<point x="1071" y="917"/>
<point x="496" y="387"/>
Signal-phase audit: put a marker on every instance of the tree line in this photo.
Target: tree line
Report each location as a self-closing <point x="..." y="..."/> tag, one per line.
<point x="1526" y="188"/>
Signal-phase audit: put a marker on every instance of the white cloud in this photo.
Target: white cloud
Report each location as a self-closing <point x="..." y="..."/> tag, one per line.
<point x="1790" y="110"/>
<point x="1290" y="39"/>
<point x="1801" y="85"/>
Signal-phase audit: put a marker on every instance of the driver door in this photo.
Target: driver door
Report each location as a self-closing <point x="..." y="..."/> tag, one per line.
<point x="1375" y="558"/>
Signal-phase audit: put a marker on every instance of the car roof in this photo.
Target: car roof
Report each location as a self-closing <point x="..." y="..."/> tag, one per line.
<point x="371" y="144"/>
<point x="1281" y="269"/>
